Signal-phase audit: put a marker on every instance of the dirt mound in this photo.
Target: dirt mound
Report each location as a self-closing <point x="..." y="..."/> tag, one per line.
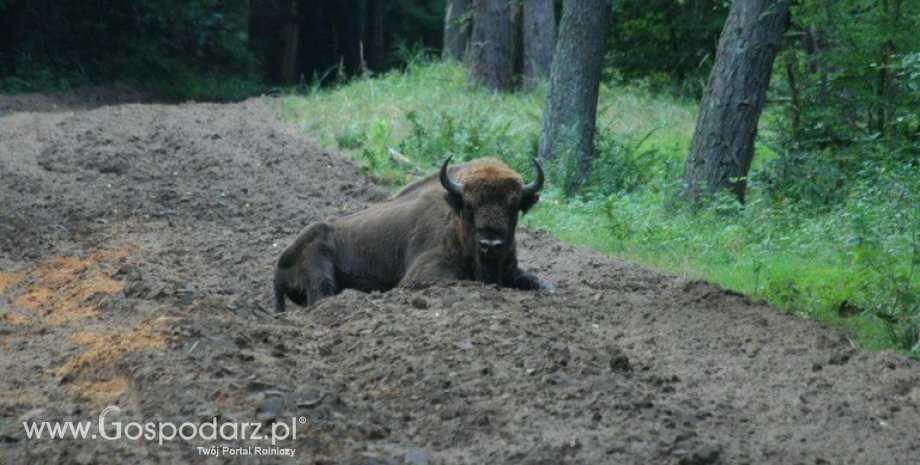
<point x="137" y="244"/>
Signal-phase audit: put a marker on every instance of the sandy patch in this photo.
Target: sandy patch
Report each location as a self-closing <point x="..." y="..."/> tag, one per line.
<point x="8" y="280"/>
<point x="99" y="392"/>
<point x="58" y="289"/>
<point x="105" y="348"/>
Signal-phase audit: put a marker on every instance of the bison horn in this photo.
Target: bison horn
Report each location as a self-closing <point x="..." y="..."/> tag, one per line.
<point x="452" y="186"/>
<point x="534" y="187"/>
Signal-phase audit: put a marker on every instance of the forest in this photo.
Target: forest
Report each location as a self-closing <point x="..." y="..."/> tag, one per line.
<point x="814" y="208"/>
<point x="460" y="231"/>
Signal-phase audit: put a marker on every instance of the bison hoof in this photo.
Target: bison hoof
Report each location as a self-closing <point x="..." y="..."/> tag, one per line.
<point x="547" y="288"/>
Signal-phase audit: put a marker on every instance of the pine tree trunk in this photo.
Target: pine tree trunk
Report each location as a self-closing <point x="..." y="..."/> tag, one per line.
<point x="317" y="39"/>
<point x="291" y="42"/>
<point x="375" y="50"/>
<point x="570" y="112"/>
<point x="723" y="142"/>
<point x="350" y="36"/>
<point x="517" y="43"/>
<point x="539" y="41"/>
<point x="456" y="29"/>
<point x="491" y="46"/>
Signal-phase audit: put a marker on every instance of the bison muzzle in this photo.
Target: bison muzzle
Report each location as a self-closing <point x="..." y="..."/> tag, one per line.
<point x="456" y="224"/>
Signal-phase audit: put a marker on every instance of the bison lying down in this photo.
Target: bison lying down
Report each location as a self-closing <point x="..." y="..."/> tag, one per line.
<point x="456" y="224"/>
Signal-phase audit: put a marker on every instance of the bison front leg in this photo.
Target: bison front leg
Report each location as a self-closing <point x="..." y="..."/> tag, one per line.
<point x="530" y="282"/>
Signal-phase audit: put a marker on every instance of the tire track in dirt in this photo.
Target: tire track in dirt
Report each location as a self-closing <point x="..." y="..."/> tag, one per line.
<point x="137" y="249"/>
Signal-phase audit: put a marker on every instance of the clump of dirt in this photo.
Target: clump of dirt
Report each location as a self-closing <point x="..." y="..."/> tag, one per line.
<point x="623" y="365"/>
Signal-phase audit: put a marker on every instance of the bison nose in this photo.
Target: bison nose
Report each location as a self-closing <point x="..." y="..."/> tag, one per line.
<point x="490" y="244"/>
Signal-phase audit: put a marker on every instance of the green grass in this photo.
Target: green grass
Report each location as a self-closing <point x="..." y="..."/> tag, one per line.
<point x="808" y="259"/>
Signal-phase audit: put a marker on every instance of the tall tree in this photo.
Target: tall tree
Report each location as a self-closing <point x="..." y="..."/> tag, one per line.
<point x="349" y="28"/>
<point x="723" y="142"/>
<point x="291" y="42"/>
<point x="539" y="41"/>
<point x="375" y="48"/>
<point x="456" y="29"/>
<point x="517" y="43"/>
<point x="491" y="48"/>
<point x="570" y="113"/>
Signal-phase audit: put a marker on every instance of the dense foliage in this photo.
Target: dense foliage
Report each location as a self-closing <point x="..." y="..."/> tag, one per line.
<point x="850" y="76"/>
<point x="223" y="48"/>
<point x="205" y="48"/>
<point x="61" y="44"/>
<point x="852" y="71"/>
<point x="665" y="43"/>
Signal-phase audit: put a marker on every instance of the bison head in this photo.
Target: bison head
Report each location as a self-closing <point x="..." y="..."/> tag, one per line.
<point x="487" y="197"/>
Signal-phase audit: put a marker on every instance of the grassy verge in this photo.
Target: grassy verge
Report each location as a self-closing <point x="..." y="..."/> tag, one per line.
<point x="849" y="263"/>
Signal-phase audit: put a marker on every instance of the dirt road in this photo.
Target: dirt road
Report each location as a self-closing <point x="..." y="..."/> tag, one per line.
<point x="136" y="249"/>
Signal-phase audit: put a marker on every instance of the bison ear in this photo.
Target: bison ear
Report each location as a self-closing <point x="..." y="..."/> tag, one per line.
<point x="528" y="202"/>
<point x="455" y="201"/>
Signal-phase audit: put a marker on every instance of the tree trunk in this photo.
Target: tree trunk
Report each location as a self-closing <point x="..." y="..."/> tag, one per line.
<point x="880" y="123"/>
<point x="317" y="36"/>
<point x="456" y="29"/>
<point x="517" y="43"/>
<point x="376" y="48"/>
<point x="350" y="36"/>
<point x="813" y="43"/>
<point x="291" y="42"/>
<point x="539" y="41"/>
<point x="723" y="142"/>
<point x="795" y="105"/>
<point x="491" y="46"/>
<point x="570" y="112"/>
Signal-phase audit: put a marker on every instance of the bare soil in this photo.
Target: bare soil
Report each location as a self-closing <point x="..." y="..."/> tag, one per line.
<point x="136" y="252"/>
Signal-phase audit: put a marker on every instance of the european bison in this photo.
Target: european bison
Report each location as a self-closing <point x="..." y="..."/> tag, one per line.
<point x="455" y="224"/>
